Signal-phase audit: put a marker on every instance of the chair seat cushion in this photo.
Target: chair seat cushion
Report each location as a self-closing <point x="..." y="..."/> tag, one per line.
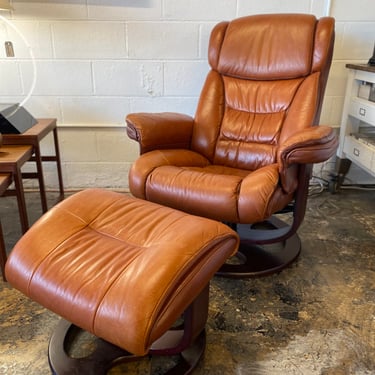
<point x="215" y="191"/>
<point x="119" y="267"/>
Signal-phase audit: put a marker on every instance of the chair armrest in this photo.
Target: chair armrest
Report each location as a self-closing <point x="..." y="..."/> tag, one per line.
<point x="160" y="130"/>
<point x="312" y="145"/>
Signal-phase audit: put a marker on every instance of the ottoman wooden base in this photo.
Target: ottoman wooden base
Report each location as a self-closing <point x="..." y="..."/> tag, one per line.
<point x="177" y="341"/>
<point x="124" y="270"/>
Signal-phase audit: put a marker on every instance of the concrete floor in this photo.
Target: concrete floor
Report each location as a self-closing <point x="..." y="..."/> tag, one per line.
<point x="315" y="317"/>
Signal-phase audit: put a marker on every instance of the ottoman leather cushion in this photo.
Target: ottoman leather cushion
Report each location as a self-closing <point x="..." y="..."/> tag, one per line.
<point x="119" y="267"/>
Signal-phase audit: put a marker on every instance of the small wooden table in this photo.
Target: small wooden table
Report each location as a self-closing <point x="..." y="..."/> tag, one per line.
<point x="5" y="181"/>
<point x="12" y="158"/>
<point x="32" y="137"/>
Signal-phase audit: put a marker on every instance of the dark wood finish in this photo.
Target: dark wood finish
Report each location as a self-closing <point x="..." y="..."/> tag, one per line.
<point x="5" y="181"/>
<point x="364" y="67"/>
<point x="12" y="158"/>
<point x="187" y="341"/>
<point x="32" y="137"/>
<point x="255" y="260"/>
<point x="272" y="245"/>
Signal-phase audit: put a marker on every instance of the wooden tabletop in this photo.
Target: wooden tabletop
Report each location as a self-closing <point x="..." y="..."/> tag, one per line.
<point x="14" y="155"/>
<point x="33" y="134"/>
<point x="363" y="67"/>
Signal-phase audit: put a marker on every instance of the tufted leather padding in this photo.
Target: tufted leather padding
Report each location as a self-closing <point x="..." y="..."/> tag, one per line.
<point x="118" y="267"/>
<point x="255" y="122"/>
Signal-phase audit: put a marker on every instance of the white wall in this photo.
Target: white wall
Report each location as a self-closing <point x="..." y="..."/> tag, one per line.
<point x="98" y="60"/>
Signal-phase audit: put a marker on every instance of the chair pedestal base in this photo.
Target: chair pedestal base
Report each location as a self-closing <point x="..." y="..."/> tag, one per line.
<point x="255" y="260"/>
<point x="105" y="356"/>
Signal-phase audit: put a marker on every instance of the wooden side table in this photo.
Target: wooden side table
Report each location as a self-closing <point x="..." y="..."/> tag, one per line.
<point x="32" y="137"/>
<point x="12" y="158"/>
<point x="5" y="181"/>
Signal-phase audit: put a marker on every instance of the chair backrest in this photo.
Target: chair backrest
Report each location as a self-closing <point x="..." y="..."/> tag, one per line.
<point x="267" y="81"/>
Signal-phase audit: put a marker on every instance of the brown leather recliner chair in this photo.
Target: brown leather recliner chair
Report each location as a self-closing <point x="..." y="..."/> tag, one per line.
<point x="248" y="152"/>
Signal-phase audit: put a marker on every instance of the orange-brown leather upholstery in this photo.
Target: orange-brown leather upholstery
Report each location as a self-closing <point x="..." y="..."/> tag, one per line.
<point x="238" y="159"/>
<point x="119" y="267"/>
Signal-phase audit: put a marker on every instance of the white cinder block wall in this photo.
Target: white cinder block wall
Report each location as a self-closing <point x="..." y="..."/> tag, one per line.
<point x="98" y="60"/>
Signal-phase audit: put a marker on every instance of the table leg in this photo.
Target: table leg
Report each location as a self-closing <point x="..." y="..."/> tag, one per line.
<point x="17" y="177"/>
<point x="3" y="255"/>
<point x="39" y="168"/>
<point x="58" y="163"/>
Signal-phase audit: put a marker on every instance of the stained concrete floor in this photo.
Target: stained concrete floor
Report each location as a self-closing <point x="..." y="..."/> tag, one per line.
<point x="315" y="317"/>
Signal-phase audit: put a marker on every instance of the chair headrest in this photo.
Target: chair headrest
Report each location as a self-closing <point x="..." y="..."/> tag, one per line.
<point x="269" y="46"/>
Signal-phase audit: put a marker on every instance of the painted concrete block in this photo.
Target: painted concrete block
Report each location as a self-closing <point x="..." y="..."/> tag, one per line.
<point x="120" y="10"/>
<point x="115" y="146"/>
<point x="184" y="105"/>
<point x="59" y="77"/>
<point x="10" y="79"/>
<point x="348" y="10"/>
<point x="44" y="107"/>
<point x="32" y="38"/>
<point x="163" y="40"/>
<point x="200" y="10"/>
<point x="337" y="79"/>
<point x="103" y="111"/>
<point x="49" y="9"/>
<point x="204" y="38"/>
<point x="246" y="7"/>
<point x="357" y="42"/>
<point x="138" y="78"/>
<point x="93" y="40"/>
<point x="78" y="145"/>
<point x="184" y="78"/>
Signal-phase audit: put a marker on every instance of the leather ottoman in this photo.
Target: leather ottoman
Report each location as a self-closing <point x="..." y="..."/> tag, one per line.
<point x="124" y="270"/>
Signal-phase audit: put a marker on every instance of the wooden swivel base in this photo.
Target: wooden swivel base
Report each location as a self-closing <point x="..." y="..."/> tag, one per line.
<point x="105" y="355"/>
<point x="183" y="344"/>
<point x="255" y="260"/>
